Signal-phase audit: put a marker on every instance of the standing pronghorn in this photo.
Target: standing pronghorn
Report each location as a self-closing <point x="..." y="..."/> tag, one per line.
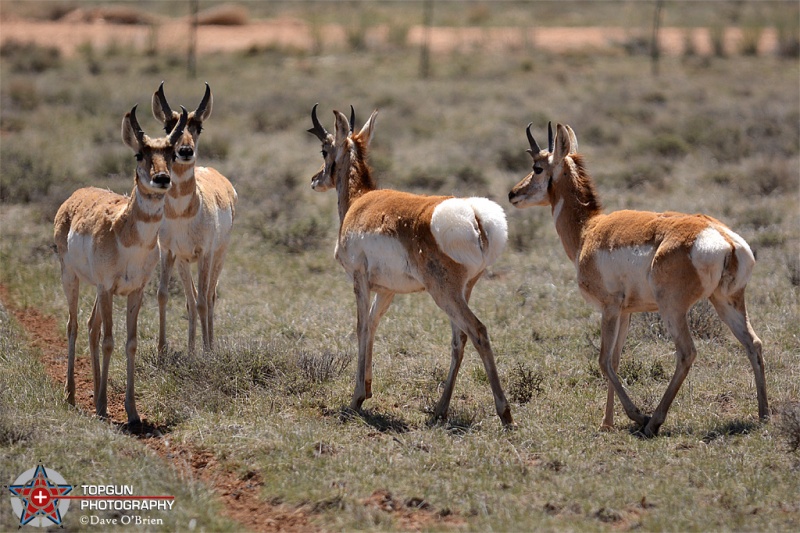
<point x="198" y="217"/>
<point x="393" y="242"/>
<point x="632" y="261"/>
<point x="109" y="241"/>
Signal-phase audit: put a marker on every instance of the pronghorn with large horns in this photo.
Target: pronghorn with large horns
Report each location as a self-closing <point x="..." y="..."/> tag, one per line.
<point x="394" y="242"/>
<point x="110" y="241"/>
<point x="633" y="261"/>
<point x="198" y="218"/>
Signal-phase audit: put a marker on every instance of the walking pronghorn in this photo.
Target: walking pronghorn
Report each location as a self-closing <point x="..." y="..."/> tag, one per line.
<point x="632" y="261"/>
<point x="393" y="242"/>
<point x="198" y="218"/>
<point x="109" y="241"/>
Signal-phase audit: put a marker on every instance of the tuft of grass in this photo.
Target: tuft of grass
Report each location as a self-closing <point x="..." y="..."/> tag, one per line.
<point x="523" y="383"/>
<point x="789" y="425"/>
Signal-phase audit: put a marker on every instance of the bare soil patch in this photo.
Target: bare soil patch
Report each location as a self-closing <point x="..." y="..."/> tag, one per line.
<point x="69" y="34"/>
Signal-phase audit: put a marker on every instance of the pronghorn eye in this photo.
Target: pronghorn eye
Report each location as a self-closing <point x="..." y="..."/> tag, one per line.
<point x="139" y="156"/>
<point x="324" y="153"/>
<point x="537" y="170"/>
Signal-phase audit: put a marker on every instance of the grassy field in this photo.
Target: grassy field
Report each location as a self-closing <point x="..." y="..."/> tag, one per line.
<point x="712" y="135"/>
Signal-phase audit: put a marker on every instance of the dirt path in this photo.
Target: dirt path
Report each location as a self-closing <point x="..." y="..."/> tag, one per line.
<point x="297" y="34"/>
<point x="240" y="497"/>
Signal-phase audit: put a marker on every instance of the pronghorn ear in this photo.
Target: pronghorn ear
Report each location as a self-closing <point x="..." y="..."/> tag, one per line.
<point x="130" y="131"/>
<point x="341" y="130"/>
<point x="563" y="144"/>
<point x="369" y="127"/>
<point x="573" y="140"/>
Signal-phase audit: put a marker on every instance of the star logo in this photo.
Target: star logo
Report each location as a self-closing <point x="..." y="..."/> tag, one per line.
<point x="37" y="497"/>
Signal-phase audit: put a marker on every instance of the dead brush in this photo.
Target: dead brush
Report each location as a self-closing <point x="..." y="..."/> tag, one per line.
<point x="788" y="424"/>
<point x="523" y="383"/>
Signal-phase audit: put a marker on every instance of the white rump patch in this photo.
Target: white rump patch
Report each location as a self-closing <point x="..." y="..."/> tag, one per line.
<point x="456" y="225"/>
<point x="708" y="256"/>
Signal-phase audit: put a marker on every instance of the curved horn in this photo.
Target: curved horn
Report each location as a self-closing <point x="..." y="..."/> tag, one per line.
<point x="550" y="141"/>
<point x="317" y="130"/>
<point x="179" y="127"/>
<point x="352" y="119"/>
<point x="534" y="146"/>
<point x="135" y="125"/>
<point x="198" y="113"/>
<point x="163" y="99"/>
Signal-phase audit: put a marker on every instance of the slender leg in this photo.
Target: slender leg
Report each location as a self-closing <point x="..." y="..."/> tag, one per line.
<point x="106" y="310"/>
<point x="203" y="295"/>
<point x="733" y="312"/>
<point x="610" y="328"/>
<point x="361" y="289"/>
<point x="190" y="293"/>
<point x="380" y="304"/>
<point x="457" y="343"/>
<point x="134" y="305"/>
<point x="678" y="327"/>
<point x="71" y="285"/>
<point x="167" y="262"/>
<point x="95" y="328"/>
<point x="216" y="269"/>
<point x="622" y="334"/>
<point x="453" y="302"/>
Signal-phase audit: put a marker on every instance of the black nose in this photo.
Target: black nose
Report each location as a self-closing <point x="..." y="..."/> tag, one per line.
<point x="185" y="151"/>
<point x="510" y="195"/>
<point x="162" y="179"/>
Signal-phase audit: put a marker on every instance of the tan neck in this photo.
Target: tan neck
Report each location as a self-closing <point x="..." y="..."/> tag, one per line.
<point x="353" y="180"/>
<point x="574" y="203"/>
<point x="140" y="222"/>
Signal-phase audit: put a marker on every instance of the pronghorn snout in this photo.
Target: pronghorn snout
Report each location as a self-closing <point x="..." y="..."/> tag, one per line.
<point x="186" y="152"/>
<point x="161" y="179"/>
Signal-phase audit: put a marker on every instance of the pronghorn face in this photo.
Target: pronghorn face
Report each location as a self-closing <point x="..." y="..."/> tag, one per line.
<point x="154" y="156"/>
<point x="186" y="147"/>
<point x="548" y="167"/>
<point x="340" y="149"/>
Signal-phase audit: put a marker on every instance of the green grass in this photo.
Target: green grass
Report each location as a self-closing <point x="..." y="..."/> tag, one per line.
<point x="717" y="136"/>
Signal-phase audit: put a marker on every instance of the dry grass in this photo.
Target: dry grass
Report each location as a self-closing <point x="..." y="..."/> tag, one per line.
<point x="717" y="136"/>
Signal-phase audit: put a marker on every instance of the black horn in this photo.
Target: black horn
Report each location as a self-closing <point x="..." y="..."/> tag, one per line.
<point x="179" y="127"/>
<point x="534" y="146"/>
<point x="550" y="142"/>
<point x="352" y="119"/>
<point x="317" y="130"/>
<point x="135" y="124"/>
<point x="198" y="113"/>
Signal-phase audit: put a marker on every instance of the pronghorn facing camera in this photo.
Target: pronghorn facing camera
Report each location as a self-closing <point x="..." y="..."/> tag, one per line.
<point x="109" y="241"/>
<point x="198" y="218"/>
<point x="632" y="261"/>
<point x="393" y="242"/>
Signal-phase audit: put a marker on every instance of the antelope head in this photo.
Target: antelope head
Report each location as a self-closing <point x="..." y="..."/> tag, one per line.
<point x="154" y="156"/>
<point x="186" y="149"/>
<point x="338" y="146"/>
<point x="548" y="166"/>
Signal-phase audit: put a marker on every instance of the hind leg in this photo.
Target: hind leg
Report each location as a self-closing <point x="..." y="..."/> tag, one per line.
<point x="731" y="309"/>
<point x="71" y="285"/>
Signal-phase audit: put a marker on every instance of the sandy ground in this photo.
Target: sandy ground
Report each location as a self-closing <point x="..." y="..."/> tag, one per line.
<point x="299" y="35"/>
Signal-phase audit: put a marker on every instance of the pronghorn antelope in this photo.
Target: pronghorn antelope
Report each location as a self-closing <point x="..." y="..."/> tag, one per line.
<point x="198" y="217"/>
<point x="109" y="241"/>
<point x="632" y="261"/>
<point x="393" y="242"/>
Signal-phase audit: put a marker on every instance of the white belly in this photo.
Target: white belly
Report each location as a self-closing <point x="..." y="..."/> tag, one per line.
<point x="383" y="258"/>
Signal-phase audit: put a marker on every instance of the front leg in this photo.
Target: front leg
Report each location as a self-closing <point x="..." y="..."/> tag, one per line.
<point x="167" y="261"/>
<point x="610" y="329"/>
<point x="134" y="305"/>
<point x="105" y="309"/>
<point x="622" y="334"/>
<point x="361" y="289"/>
